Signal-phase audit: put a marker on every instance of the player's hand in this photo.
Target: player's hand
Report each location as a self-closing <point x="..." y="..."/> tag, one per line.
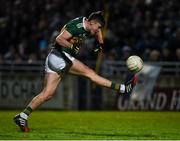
<point x="98" y="48"/>
<point x="75" y="49"/>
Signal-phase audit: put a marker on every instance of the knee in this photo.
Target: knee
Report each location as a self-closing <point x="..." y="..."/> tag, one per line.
<point x="90" y="74"/>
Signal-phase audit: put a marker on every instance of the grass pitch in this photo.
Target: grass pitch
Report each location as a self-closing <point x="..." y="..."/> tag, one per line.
<point x="52" y="125"/>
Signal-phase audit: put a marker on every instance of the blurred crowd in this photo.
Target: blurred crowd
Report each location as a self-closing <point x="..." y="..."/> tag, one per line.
<point x="148" y="28"/>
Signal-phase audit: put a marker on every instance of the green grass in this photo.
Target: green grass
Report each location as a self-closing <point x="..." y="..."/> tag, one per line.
<point x="93" y="125"/>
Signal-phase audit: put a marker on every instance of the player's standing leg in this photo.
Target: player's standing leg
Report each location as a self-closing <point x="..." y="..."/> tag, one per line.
<point x="51" y="82"/>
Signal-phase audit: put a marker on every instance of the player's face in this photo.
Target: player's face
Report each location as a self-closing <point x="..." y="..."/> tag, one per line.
<point x="95" y="27"/>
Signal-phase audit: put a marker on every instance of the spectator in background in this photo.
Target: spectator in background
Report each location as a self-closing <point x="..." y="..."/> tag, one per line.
<point x="145" y="24"/>
<point x="126" y="52"/>
<point x="1" y="59"/>
<point x="11" y="54"/>
<point x="165" y="54"/>
<point x="154" y="56"/>
<point x="32" y="58"/>
<point x="177" y="55"/>
<point x="174" y="44"/>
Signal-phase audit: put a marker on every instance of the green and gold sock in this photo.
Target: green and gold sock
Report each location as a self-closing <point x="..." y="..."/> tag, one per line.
<point x="115" y="86"/>
<point x="25" y="114"/>
<point x="118" y="87"/>
<point x="28" y="110"/>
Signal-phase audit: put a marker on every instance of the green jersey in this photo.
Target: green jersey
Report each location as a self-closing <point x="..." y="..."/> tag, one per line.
<point x="78" y="32"/>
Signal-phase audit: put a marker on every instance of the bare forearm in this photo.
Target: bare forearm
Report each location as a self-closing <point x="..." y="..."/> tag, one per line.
<point x="99" y="37"/>
<point x="63" y="42"/>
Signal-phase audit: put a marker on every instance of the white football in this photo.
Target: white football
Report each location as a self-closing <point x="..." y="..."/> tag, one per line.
<point x="134" y="63"/>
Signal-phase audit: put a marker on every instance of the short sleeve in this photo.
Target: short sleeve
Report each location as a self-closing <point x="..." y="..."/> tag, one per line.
<point x="71" y="28"/>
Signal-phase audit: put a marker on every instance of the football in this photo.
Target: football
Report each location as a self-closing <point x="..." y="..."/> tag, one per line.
<point x="134" y="64"/>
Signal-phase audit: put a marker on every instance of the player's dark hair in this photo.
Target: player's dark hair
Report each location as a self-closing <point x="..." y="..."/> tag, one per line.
<point x="98" y="16"/>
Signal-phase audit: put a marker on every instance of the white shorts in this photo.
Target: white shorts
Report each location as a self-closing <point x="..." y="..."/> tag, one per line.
<point x="57" y="62"/>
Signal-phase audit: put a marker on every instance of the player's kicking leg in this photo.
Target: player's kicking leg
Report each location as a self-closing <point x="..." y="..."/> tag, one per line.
<point x="78" y="68"/>
<point x="51" y="81"/>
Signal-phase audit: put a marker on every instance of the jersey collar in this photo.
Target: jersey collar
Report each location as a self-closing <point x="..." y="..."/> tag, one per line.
<point x="84" y="23"/>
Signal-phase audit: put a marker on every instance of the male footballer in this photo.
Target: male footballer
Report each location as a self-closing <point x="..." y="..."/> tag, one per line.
<point x="61" y="60"/>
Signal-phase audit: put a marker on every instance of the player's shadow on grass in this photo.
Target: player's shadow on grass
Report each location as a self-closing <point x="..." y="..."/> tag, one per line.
<point x="110" y="134"/>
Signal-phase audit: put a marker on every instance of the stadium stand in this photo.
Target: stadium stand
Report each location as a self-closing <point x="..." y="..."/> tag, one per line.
<point x="150" y="29"/>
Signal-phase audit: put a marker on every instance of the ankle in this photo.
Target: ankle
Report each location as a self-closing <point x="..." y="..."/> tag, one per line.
<point x="24" y="115"/>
